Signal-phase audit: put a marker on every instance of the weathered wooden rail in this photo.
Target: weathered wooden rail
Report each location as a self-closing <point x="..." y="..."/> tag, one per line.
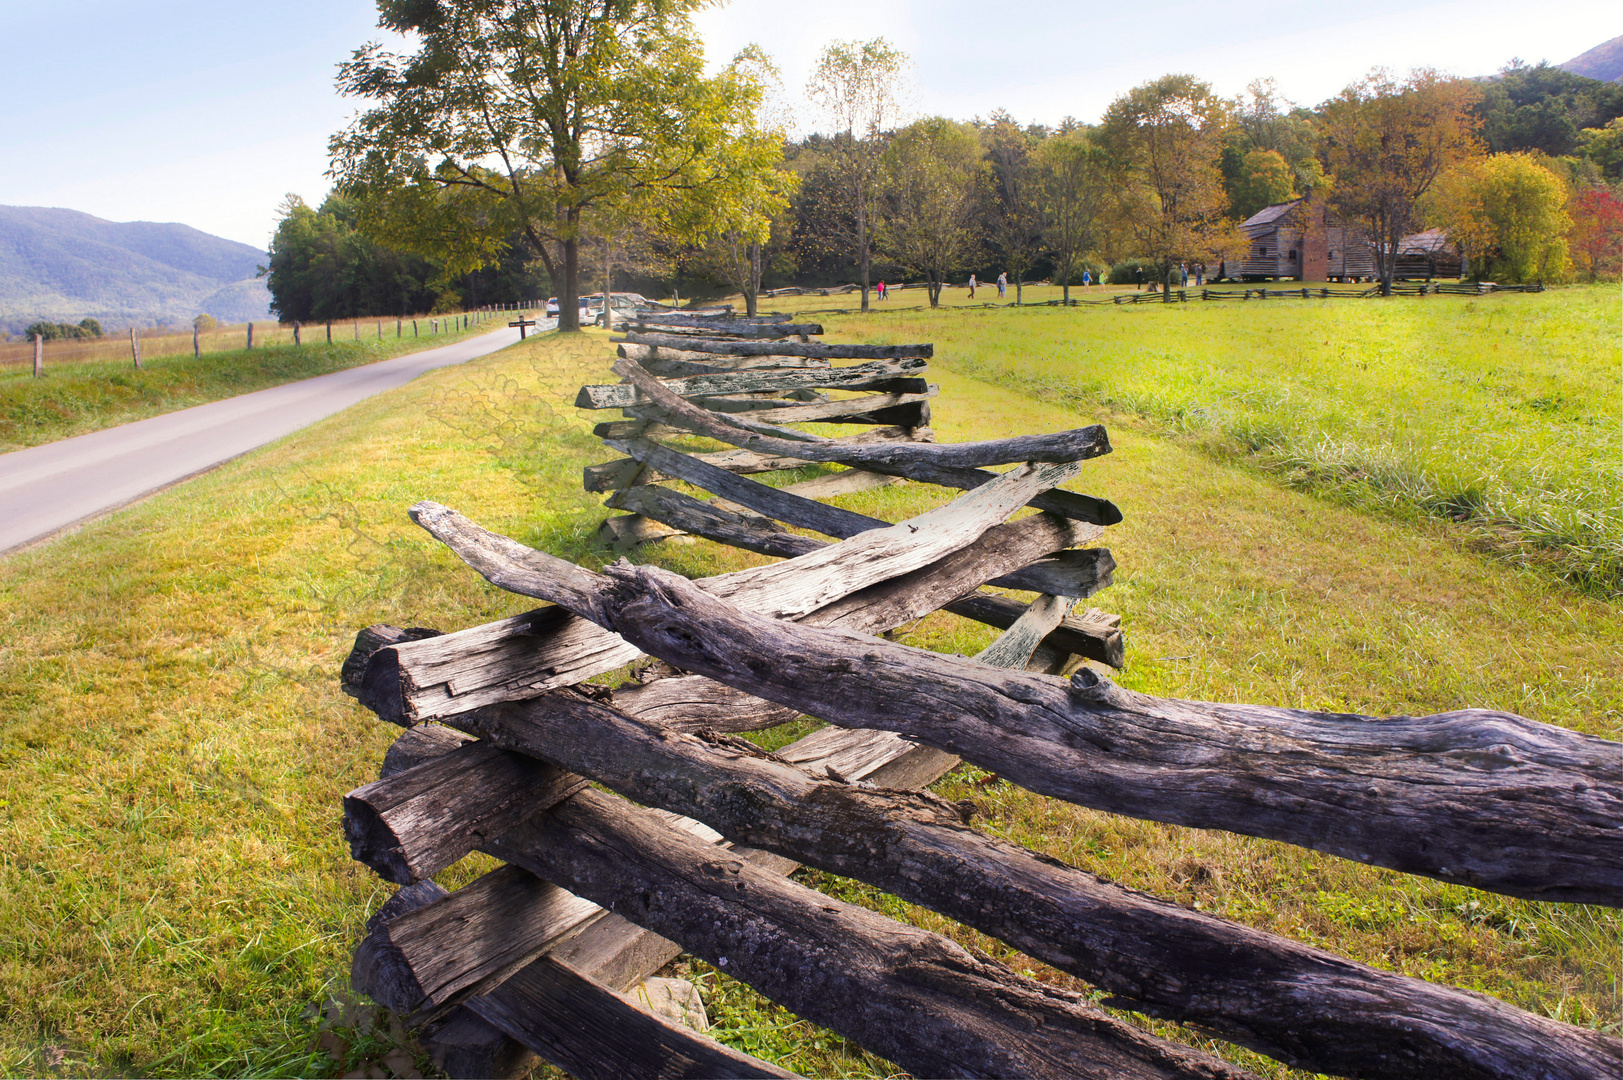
<point x="693" y="848"/>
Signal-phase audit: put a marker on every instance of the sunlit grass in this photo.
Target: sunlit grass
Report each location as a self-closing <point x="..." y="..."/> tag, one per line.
<point x="176" y="897"/>
<point x="1504" y="412"/>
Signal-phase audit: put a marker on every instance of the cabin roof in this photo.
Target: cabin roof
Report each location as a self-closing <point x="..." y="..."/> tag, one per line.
<point x="1269" y="214"/>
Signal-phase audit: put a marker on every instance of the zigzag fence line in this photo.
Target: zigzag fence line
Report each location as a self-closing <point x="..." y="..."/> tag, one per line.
<point x="543" y="956"/>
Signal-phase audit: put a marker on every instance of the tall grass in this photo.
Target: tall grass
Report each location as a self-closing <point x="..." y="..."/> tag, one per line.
<point x="1500" y="412"/>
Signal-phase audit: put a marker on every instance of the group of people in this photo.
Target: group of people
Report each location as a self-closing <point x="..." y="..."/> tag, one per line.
<point x="1183" y="277"/>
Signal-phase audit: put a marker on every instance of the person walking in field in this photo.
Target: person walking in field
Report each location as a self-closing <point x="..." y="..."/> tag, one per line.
<point x="1140" y="279"/>
<point x="1002" y="285"/>
<point x="972" y="286"/>
<point x="881" y="290"/>
<point x="1087" y="279"/>
<point x="1200" y="273"/>
<point x="1183" y="275"/>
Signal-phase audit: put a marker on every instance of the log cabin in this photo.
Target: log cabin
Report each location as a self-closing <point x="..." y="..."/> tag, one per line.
<point x="1302" y="240"/>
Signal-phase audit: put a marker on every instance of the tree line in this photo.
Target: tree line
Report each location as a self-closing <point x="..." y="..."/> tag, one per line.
<point x="574" y="141"/>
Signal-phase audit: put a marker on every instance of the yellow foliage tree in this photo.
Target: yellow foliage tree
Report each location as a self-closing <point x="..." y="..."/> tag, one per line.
<point x="1509" y="213"/>
<point x="1386" y="143"/>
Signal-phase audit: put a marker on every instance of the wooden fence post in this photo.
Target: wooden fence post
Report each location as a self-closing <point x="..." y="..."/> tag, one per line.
<point x="296" y="339"/>
<point x="250" y="334"/>
<point x="397" y="330"/>
<point x="197" y="342"/>
<point x="414" y="328"/>
<point x="135" y="349"/>
<point x="380" y="329"/>
<point x="356" y="327"/>
<point x="39" y="356"/>
<point x="329" y="331"/>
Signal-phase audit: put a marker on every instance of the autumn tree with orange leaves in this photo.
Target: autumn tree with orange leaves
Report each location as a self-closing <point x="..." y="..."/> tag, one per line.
<point x="1386" y="143"/>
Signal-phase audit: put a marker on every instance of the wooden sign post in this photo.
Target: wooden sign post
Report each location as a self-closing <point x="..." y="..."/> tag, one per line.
<point x="197" y="345"/>
<point x="135" y="348"/>
<point x="250" y="335"/>
<point x="521" y="324"/>
<point x="39" y="356"/>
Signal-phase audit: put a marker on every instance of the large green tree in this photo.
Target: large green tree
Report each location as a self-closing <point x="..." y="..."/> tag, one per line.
<point x="1165" y="138"/>
<point x="856" y="84"/>
<point x="523" y="116"/>
<point x="1014" y="211"/>
<point x="1509" y="212"/>
<point x="1385" y="145"/>
<point x="934" y="178"/>
<point x="321" y="268"/>
<point x="1075" y="179"/>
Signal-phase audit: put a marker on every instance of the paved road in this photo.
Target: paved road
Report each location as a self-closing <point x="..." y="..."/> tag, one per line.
<point x="45" y="489"/>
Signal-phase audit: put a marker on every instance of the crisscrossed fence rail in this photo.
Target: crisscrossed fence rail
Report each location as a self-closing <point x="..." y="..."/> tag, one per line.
<point x="598" y="892"/>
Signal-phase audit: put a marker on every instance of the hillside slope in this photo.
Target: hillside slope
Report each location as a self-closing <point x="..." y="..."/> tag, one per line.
<point x="1603" y="62"/>
<point x="64" y="265"/>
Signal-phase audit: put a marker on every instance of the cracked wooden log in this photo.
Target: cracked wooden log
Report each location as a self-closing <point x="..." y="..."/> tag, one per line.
<point x="613" y="475"/>
<point x="522" y="655"/>
<point x="1092" y="639"/>
<point x="1076" y="445"/>
<point x="784" y="348"/>
<point x="890" y="375"/>
<point x="1301" y="1005"/>
<point x="949" y="466"/>
<point x="911" y="996"/>
<point x="674" y="327"/>
<point x="1476" y="797"/>
<point x="1066" y="573"/>
<point x="424" y="966"/>
<point x="456" y="799"/>
<point x="595" y="1034"/>
<point x="667" y="365"/>
<point x="902" y="410"/>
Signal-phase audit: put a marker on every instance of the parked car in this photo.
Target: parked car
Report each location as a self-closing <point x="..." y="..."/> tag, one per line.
<point x="552" y="308"/>
<point x="624" y="305"/>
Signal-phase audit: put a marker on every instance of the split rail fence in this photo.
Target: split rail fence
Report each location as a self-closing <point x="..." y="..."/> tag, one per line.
<point x="693" y="848"/>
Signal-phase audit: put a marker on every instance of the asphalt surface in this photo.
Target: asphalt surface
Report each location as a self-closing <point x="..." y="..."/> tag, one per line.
<point x="45" y="489"/>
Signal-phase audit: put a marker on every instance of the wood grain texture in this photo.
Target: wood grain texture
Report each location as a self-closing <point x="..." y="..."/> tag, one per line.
<point x="1299" y="1004"/>
<point x="911" y="996"/>
<point x="623" y="472"/>
<point x="784" y="348"/>
<point x="859" y="410"/>
<point x="593" y="1033"/>
<point x="1477" y="797"/>
<point x="452" y="801"/>
<point x="895" y="376"/>
<point x="730" y="327"/>
<point x="1067" y="573"/>
<point x="1076" y="445"/>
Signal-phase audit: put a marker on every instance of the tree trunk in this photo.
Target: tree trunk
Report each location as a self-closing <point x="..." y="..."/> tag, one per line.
<point x="862" y="246"/>
<point x="752" y="284"/>
<point x="569" y="290"/>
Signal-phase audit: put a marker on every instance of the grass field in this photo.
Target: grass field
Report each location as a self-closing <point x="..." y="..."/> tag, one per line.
<point x="176" y="898"/>
<point x="1503" y="412"/>
<point x="88" y="395"/>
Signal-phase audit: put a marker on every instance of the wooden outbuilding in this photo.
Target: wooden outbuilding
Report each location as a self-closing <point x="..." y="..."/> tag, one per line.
<point x="1302" y="240"/>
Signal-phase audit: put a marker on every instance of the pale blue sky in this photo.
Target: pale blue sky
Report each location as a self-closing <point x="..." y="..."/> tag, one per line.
<point x="209" y="113"/>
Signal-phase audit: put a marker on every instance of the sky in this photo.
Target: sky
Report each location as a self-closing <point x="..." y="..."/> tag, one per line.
<point x="210" y="114"/>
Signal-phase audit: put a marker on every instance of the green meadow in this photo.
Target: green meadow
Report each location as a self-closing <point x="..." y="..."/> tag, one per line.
<point x="176" y="897"/>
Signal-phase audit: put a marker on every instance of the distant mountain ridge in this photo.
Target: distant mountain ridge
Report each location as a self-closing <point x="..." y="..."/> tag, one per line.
<point x="63" y="265"/>
<point x="1603" y="62"/>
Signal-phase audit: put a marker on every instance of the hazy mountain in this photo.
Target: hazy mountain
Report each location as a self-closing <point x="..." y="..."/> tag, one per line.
<point x="62" y="265"/>
<point x="1603" y="62"/>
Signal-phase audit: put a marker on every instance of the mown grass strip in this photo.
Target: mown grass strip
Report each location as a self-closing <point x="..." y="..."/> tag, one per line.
<point x="175" y="894"/>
